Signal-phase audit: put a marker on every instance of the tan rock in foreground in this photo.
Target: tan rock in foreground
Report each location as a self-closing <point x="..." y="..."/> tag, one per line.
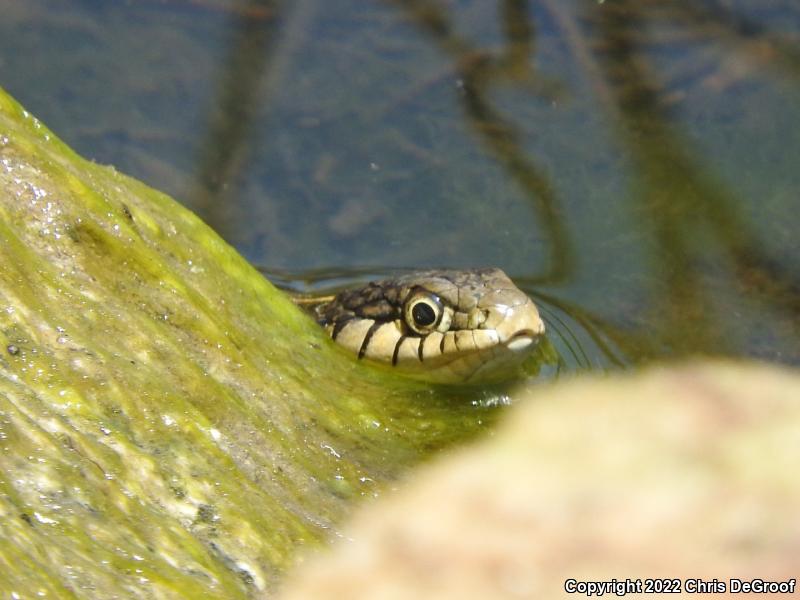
<point x="681" y="473"/>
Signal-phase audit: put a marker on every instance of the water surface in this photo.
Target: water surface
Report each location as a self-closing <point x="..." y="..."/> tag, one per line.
<point x="634" y="165"/>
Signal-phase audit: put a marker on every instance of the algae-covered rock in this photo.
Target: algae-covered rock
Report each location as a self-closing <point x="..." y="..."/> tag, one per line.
<point x="685" y="475"/>
<point x="171" y="425"/>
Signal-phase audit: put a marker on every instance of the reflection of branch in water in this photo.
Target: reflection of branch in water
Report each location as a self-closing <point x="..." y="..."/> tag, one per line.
<point x="521" y="37"/>
<point x="576" y="40"/>
<point x="478" y="70"/>
<point x="675" y="189"/>
<point x="222" y="153"/>
<point x="758" y="43"/>
<point x="252" y="10"/>
<point x="502" y="140"/>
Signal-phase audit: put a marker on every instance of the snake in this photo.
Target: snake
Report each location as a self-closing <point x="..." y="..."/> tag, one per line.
<point x="444" y="326"/>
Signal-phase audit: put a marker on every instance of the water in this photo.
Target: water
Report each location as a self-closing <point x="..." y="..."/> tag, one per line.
<point x="633" y="165"/>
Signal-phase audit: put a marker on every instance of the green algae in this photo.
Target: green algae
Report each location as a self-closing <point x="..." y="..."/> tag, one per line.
<point x="171" y="425"/>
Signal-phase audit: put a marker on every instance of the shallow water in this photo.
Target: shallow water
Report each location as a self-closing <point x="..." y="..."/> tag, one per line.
<point x="634" y="166"/>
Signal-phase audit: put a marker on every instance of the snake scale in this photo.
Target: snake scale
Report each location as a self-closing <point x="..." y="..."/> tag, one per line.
<point x="446" y="326"/>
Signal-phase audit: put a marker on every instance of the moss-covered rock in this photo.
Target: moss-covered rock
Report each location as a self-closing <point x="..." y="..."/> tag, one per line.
<point x="170" y="423"/>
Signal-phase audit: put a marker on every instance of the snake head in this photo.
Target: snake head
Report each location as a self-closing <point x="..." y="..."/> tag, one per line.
<point x="445" y="326"/>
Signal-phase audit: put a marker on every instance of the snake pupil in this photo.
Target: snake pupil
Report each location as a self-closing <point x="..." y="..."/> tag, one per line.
<point x="423" y="314"/>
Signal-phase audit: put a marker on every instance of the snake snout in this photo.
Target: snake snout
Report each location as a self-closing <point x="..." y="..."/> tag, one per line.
<point x="521" y="327"/>
<point x="522" y="339"/>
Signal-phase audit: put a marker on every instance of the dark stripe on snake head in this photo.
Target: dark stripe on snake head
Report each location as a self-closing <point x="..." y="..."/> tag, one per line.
<point x="339" y="325"/>
<point x="397" y="349"/>
<point x="368" y="336"/>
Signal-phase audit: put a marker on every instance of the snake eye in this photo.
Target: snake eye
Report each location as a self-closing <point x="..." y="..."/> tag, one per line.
<point x="422" y="312"/>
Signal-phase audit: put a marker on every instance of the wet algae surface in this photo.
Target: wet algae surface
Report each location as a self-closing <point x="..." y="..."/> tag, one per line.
<point x="171" y="425"/>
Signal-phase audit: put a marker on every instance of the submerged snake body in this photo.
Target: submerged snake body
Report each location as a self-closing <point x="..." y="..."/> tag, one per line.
<point x="446" y="326"/>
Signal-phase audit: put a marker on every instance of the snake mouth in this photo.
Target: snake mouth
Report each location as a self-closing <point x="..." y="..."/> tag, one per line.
<point x="521" y="340"/>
